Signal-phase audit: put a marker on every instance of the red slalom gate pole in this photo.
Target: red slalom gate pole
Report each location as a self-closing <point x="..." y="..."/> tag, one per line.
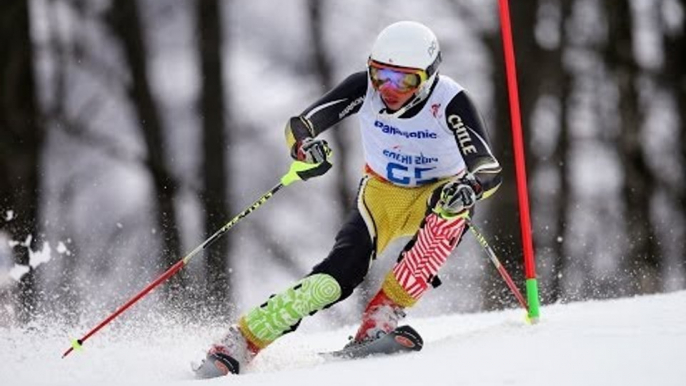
<point x="520" y="165"/>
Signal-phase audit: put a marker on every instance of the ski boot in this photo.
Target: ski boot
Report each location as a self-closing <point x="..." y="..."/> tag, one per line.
<point x="379" y="318"/>
<point x="229" y="356"/>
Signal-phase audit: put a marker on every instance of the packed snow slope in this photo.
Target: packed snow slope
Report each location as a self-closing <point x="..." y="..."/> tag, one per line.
<point x="626" y="342"/>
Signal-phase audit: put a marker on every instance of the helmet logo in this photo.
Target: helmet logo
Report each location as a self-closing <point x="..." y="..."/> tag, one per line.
<point x="432" y="48"/>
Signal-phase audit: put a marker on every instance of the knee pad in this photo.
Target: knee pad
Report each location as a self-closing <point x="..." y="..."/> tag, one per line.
<point x="283" y="312"/>
<point x="419" y="264"/>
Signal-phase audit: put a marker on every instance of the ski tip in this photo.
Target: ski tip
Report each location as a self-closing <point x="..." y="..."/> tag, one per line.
<point x="403" y="339"/>
<point x="409" y="338"/>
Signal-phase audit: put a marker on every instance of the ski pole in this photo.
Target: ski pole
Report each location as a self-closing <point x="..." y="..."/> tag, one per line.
<point x="294" y="174"/>
<point x="494" y="259"/>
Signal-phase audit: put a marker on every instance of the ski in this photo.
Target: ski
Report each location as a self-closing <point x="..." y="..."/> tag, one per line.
<point x="403" y="339"/>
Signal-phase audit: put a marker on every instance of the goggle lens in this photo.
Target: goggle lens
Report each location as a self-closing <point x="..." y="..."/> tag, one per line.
<point x="402" y="81"/>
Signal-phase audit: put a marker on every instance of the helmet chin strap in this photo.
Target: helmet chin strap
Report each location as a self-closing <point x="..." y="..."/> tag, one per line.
<point x="423" y="93"/>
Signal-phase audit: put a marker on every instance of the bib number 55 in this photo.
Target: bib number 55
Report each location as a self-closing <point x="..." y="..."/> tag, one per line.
<point x="403" y="175"/>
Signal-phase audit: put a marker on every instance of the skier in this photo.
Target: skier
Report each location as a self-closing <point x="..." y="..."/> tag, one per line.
<point x="428" y="161"/>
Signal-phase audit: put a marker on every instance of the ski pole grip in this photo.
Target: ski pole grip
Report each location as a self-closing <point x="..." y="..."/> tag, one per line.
<point x="297" y="169"/>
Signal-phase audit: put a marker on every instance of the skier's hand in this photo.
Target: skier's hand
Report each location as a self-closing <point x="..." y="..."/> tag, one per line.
<point x="313" y="151"/>
<point x="458" y="196"/>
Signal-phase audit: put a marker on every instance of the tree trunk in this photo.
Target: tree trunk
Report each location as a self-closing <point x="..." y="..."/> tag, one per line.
<point x="680" y="82"/>
<point x="674" y="79"/>
<point x="344" y="196"/>
<point x="562" y="158"/>
<point x="124" y="19"/>
<point x="21" y="142"/>
<point x="216" y="141"/>
<point x="643" y="264"/>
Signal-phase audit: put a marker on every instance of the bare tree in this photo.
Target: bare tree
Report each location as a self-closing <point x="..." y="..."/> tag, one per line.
<point x="216" y="141"/>
<point x="21" y="142"/>
<point x="674" y="79"/>
<point x="562" y="82"/>
<point x="643" y="251"/>
<point x="124" y="19"/>
<point x="325" y="77"/>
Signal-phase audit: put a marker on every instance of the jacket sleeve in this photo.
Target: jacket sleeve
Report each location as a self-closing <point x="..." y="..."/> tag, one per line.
<point x="342" y="101"/>
<point x="471" y="136"/>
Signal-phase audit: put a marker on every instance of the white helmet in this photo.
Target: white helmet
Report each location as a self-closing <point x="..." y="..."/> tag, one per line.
<point x="412" y="45"/>
<point x="407" y="44"/>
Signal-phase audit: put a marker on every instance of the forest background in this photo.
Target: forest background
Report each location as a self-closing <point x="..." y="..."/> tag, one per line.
<point x="131" y="130"/>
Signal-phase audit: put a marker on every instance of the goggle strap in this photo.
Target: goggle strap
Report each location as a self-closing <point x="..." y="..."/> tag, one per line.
<point x="434" y="66"/>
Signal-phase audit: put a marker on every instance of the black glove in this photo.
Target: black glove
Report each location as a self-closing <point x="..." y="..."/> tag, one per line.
<point x="313" y="151"/>
<point x="458" y="196"/>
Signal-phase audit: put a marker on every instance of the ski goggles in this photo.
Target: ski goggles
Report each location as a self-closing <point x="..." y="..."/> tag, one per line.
<point x="402" y="79"/>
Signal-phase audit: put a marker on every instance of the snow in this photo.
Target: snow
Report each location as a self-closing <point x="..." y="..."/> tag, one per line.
<point x="18" y="271"/>
<point x="62" y="249"/>
<point x="636" y="341"/>
<point x="40" y="256"/>
<point x="36" y="257"/>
